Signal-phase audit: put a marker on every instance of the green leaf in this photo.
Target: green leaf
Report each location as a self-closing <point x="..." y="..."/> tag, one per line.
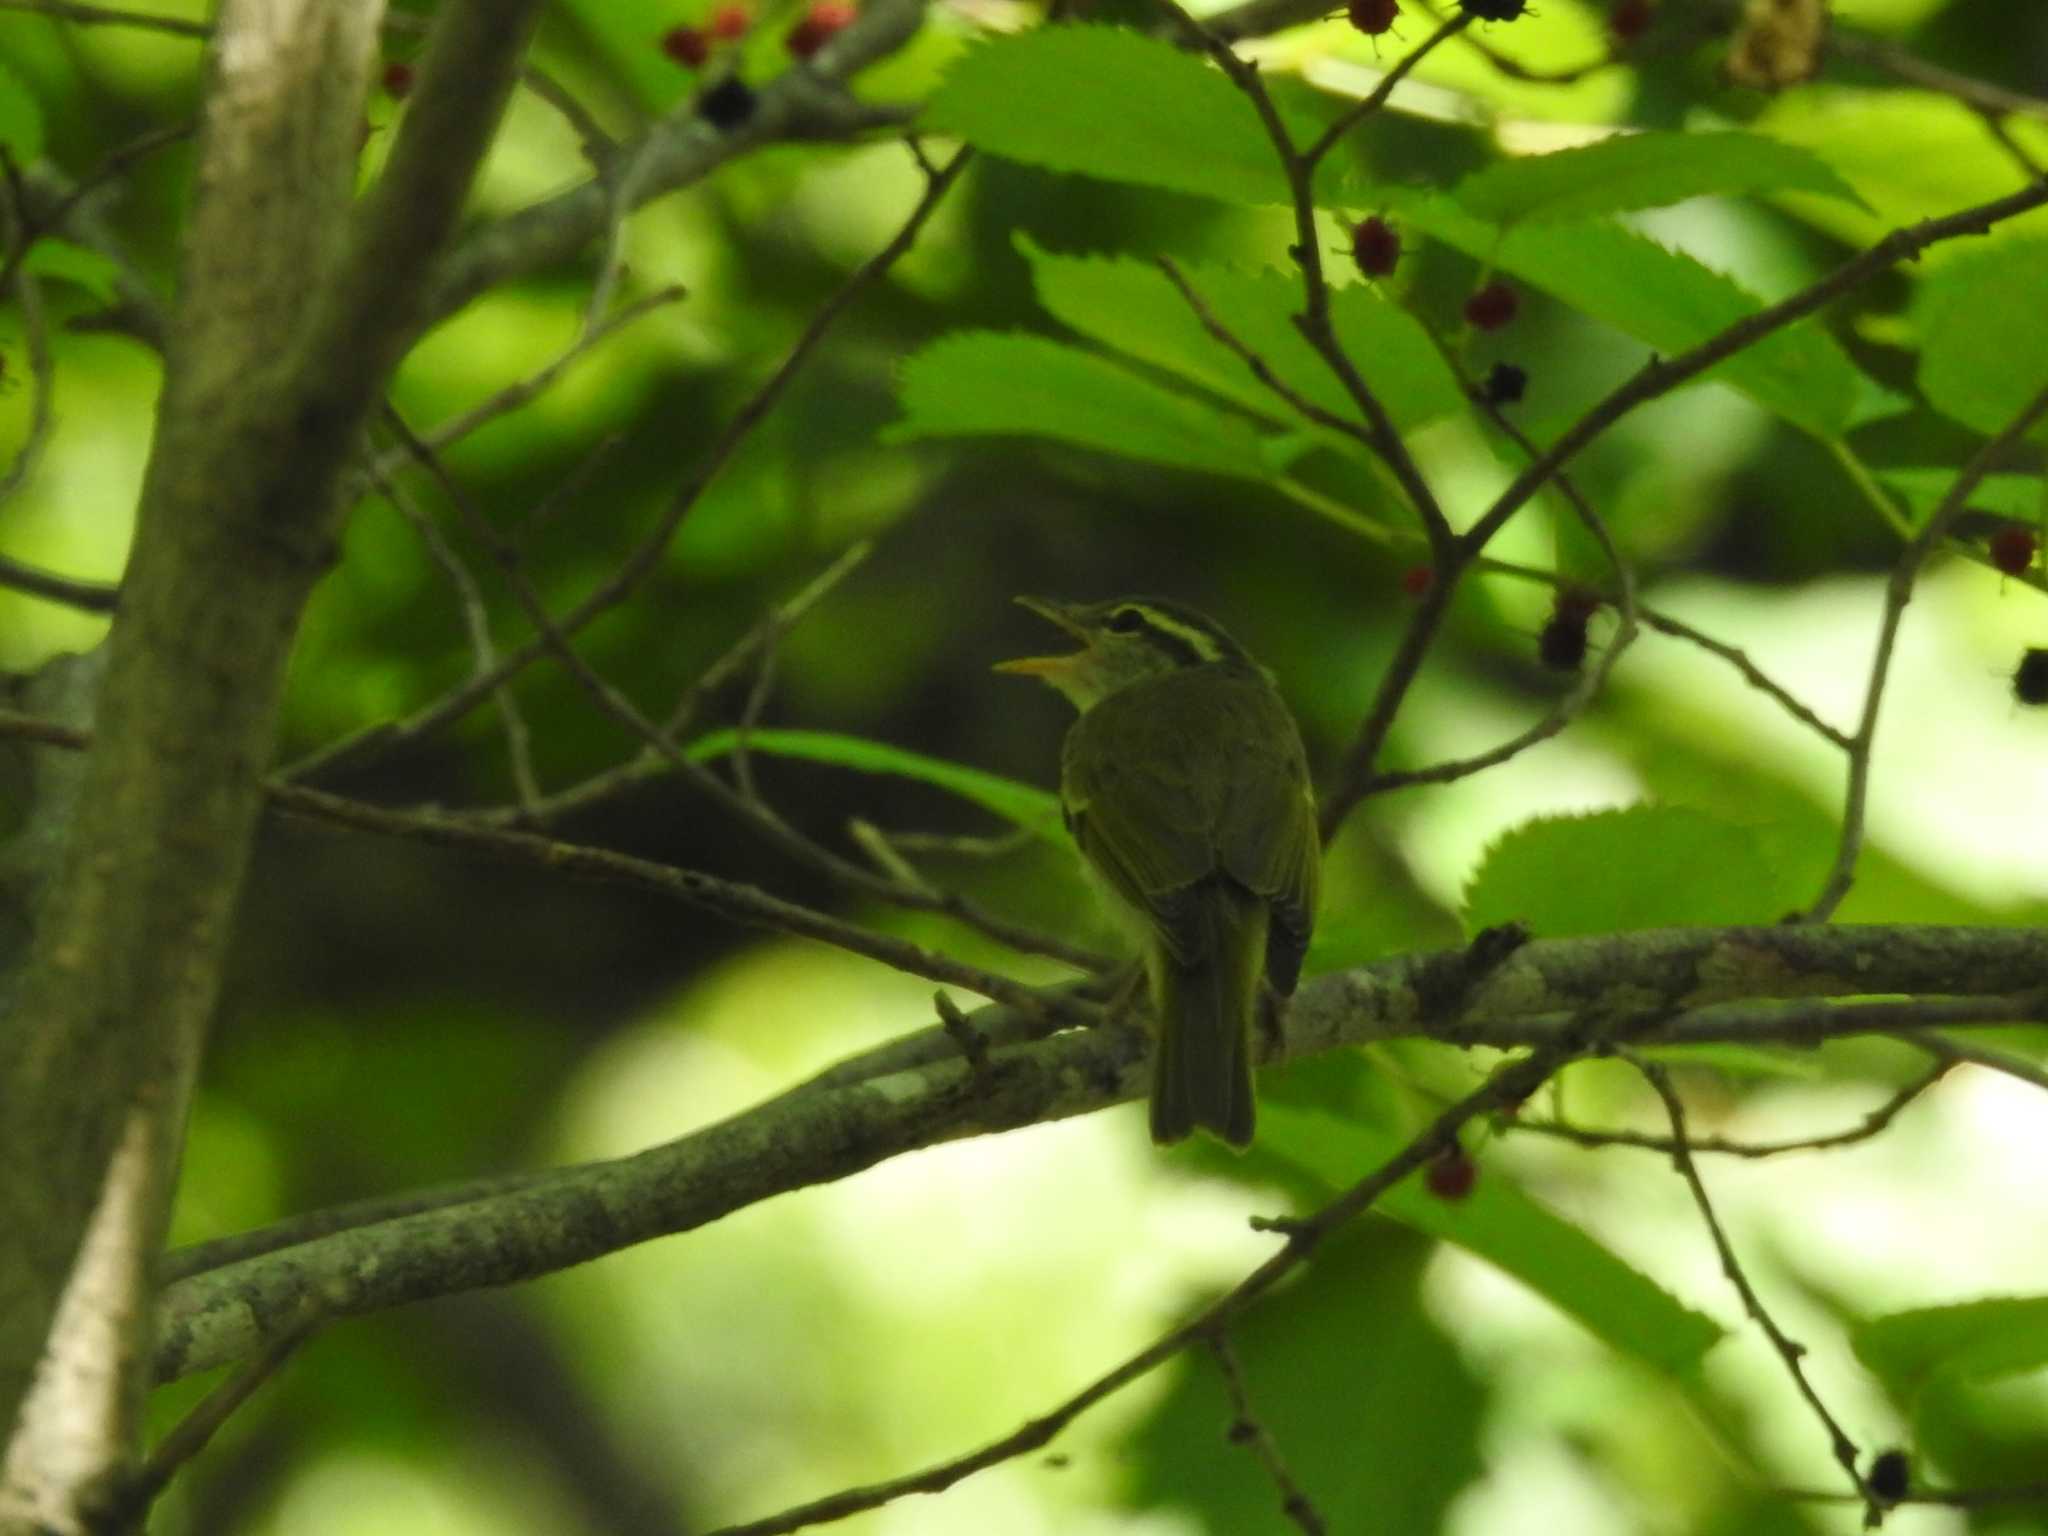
<point x="1984" y="320"/>
<point x="1560" y="1262"/>
<point x="61" y="261"/>
<point x="1132" y="306"/>
<point x="1643" y="170"/>
<point x="1376" y="1411"/>
<point x="1663" y="298"/>
<point x="1972" y="1340"/>
<point x="21" y="119"/>
<point x="2014" y="496"/>
<point x="1129" y="108"/>
<point x="989" y="383"/>
<point x="1645" y="867"/>
<point x="1034" y="810"/>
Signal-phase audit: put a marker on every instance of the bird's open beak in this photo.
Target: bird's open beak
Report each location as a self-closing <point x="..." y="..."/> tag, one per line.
<point x="1058" y="613"/>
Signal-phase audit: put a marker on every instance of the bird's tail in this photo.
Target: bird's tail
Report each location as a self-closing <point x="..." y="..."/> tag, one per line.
<point x="1202" y="1075"/>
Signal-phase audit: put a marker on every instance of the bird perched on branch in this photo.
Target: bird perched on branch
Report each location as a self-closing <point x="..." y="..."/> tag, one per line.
<point x="1185" y="784"/>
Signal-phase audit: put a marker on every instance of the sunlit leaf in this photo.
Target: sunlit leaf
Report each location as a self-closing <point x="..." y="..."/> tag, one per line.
<point x="989" y="383"/>
<point x="1996" y="1336"/>
<point x="1644" y="867"/>
<point x="1132" y="305"/>
<point x="1985" y="334"/>
<point x="1130" y="108"/>
<point x="1643" y="170"/>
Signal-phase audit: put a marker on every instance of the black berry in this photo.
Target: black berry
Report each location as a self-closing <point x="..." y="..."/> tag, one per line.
<point x="2030" y="677"/>
<point x="1505" y="384"/>
<point x="727" y="104"/>
<point x="1890" y="1475"/>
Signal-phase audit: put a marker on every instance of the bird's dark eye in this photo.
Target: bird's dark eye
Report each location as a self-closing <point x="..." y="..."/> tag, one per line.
<point x="1127" y="621"/>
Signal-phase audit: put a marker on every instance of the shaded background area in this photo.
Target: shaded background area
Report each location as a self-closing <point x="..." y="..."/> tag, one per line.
<point x="398" y="1015"/>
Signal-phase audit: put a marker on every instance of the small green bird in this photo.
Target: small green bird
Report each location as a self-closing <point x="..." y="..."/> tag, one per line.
<point x="1185" y="783"/>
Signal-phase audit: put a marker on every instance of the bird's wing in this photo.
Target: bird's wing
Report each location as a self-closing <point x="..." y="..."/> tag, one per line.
<point x="1267" y="837"/>
<point x="1138" y="785"/>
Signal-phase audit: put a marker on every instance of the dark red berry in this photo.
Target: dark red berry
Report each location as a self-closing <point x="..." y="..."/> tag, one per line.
<point x="1376" y="247"/>
<point x="819" y="25"/>
<point x="1493" y="10"/>
<point x="1505" y="384"/>
<point x="397" y="79"/>
<point x="1417" y="579"/>
<point x="688" y="46"/>
<point x="1492" y="307"/>
<point x="1890" y="1475"/>
<point x="1373" y="17"/>
<point x="2030" y="677"/>
<point x="729" y="23"/>
<point x="2012" y="549"/>
<point x="726" y="104"/>
<point x="1630" y="19"/>
<point x="1452" y="1174"/>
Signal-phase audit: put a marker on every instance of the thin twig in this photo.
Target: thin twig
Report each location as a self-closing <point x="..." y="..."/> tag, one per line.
<point x="191" y="1434"/>
<point x="1590" y="683"/>
<point x="476" y="622"/>
<point x="1353" y="115"/>
<point x="648" y="762"/>
<point x="1789" y="1350"/>
<point x="1898" y="592"/>
<point x="647" y="556"/>
<point x="518" y="393"/>
<point x="1678" y="629"/>
<point x="1246" y="1429"/>
<point x="1873" y="1123"/>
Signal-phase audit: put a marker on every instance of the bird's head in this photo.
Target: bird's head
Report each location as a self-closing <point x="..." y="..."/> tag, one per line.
<point x="1124" y="641"/>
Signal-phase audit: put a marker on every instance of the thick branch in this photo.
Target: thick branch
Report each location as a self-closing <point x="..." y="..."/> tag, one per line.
<point x="1672" y="984"/>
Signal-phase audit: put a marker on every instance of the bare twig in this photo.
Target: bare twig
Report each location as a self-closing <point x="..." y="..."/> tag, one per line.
<point x="1873" y="1123"/>
<point x="1789" y="1350"/>
<point x="1754" y="675"/>
<point x="1246" y="1429"/>
<point x="1898" y="592"/>
<point x="649" y="762"/>
<point x="645" y="558"/>
<point x="191" y="1434"/>
<point x="476" y="622"/>
<point x="1375" y="99"/>
<point x="517" y="394"/>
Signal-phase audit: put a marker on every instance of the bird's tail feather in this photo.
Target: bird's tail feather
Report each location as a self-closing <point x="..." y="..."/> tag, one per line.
<point x="1202" y="1075"/>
